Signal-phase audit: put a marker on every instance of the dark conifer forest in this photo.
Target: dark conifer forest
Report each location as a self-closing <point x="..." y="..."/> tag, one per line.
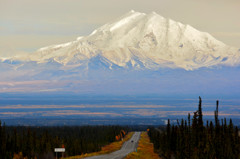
<point x="187" y="139"/>
<point x="192" y="139"/>
<point x="39" y="142"/>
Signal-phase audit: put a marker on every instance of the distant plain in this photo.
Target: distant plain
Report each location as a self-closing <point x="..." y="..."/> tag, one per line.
<point x="107" y="110"/>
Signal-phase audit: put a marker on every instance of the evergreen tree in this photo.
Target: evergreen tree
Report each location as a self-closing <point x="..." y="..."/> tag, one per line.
<point x="40" y="142"/>
<point x="196" y="141"/>
<point x="216" y="114"/>
<point x="1" y="140"/>
<point x="200" y="116"/>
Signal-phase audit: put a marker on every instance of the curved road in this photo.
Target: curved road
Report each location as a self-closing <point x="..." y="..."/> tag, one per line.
<point x="128" y="147"/>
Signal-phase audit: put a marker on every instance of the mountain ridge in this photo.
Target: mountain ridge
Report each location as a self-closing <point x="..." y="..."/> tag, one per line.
<point x="140" y="41"/>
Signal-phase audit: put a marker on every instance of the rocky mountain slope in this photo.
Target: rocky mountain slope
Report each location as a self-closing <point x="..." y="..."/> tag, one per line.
<point x="137" y="41"/>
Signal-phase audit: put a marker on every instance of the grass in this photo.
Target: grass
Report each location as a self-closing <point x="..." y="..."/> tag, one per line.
<point x="145" y="149"/>
<point x="114" y="146"/>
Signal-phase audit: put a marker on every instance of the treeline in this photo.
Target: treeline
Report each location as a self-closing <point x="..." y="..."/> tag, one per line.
<point x="191" y="139"/>
<point x="39" y="142"/>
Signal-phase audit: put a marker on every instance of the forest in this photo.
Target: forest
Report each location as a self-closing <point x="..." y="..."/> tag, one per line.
<point x="39" y="142"/>
<point x="193" y="139"/>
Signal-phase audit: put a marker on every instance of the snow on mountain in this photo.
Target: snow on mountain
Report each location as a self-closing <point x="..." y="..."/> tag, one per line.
<point x="138" y="40"/>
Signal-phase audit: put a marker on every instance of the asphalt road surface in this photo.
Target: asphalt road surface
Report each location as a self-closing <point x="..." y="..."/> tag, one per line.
<point x="128" y="147"/>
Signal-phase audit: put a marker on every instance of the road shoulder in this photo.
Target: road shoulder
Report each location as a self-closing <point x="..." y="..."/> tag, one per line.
<point x="145" y="149"/>
<point x="114" y="146"/>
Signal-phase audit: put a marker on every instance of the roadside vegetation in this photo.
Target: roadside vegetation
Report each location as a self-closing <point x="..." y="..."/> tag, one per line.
<point x="145" y="149"/>
<point x="114" y="146"/>
<point x="39" y="142"/>
<point x="192" y="139"/>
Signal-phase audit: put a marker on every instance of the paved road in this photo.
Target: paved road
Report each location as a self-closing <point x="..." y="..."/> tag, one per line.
<point x="127" y="148"/>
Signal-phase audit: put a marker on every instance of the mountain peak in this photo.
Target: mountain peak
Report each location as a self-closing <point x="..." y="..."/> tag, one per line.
<point x="154" y="13"/>
<point x="132" y="11"/>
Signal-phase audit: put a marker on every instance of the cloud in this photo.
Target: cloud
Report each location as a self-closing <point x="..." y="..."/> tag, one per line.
<point x="157" y="113"/>
<point x="83" y="106"/>
<point x="51" y="90"/>
<point x="82" y="113"/>
<point x="16" y="114"/>
<point x="14" y="83"/>
<point x="154" y="113"/>
<point x="31" y="86"/>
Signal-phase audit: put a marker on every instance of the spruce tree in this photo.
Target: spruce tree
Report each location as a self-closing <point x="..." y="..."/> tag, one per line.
<point x="200" y="116"/>
<point x="1" y="141"/>
<point x="196" y="141"/>
<point x="216" y="114"/>
<point x="4" y="141"/>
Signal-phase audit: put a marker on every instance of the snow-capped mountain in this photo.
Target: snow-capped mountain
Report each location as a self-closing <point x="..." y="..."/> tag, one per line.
<point x="139" y="41"/>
